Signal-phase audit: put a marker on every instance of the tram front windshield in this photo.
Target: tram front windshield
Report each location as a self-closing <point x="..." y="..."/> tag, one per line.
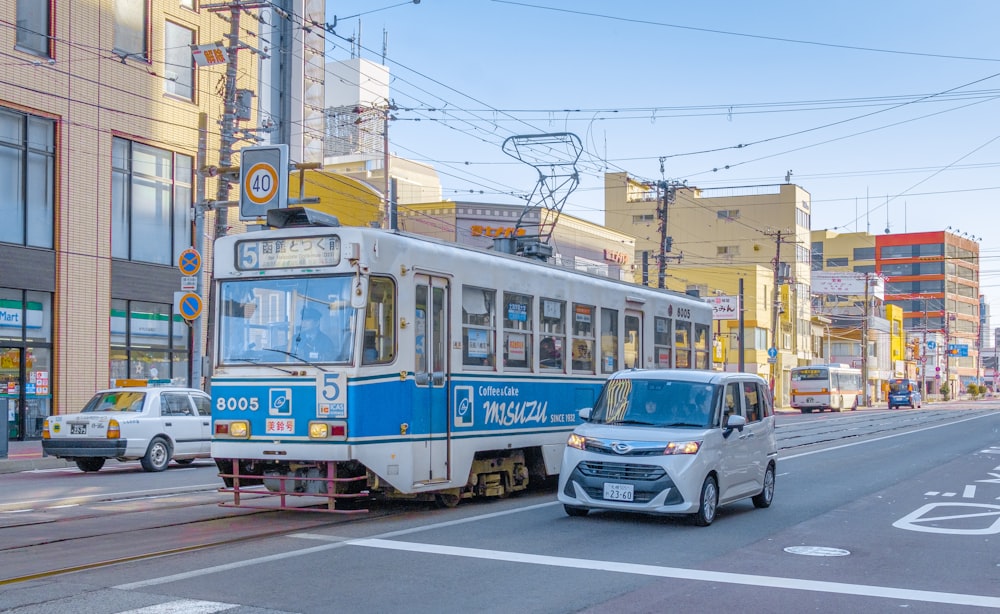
<point x="301" y="320"/>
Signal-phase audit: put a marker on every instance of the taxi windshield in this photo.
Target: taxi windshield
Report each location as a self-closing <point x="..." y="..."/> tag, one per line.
<point x="118" y="400"/>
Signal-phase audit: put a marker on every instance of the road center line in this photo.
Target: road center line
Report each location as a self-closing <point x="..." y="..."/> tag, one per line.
<point x="689" y="574"/>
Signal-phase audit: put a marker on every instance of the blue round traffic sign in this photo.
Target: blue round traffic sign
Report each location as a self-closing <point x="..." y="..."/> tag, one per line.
<point x="189" y="262"/>
<point x="772" y="352"/>
<point x="190" y="306"/>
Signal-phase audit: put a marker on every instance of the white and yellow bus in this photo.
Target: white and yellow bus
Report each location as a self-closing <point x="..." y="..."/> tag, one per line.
<point x="833" y="387"/>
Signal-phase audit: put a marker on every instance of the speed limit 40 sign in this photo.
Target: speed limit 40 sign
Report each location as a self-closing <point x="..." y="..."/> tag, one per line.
<point x="263" y="171"/>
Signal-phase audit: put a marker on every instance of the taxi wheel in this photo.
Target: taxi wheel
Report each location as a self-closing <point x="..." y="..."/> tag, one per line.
<point x="708" y="503"/>
<point x="90" y="464"/>
<point x="157" y="456"/>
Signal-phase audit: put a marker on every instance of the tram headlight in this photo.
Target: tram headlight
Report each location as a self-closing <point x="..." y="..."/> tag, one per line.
<point x="238" y="429"/>
<point x="577" y="441"/>
<point x="328" y="430"/>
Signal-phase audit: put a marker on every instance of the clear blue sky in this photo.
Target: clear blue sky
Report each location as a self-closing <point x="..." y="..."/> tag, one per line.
<point x="885" y="111"/>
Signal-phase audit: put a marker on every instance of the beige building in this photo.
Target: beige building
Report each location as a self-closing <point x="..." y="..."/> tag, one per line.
<point x="99" y="112"/>
<point x="714" y="237"/>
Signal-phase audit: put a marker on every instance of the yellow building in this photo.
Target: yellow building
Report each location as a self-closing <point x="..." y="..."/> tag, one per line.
<point x="711" y="238"/>
<point x="100" y="110"/>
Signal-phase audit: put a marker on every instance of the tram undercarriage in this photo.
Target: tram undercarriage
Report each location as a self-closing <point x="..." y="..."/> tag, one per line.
<point x="349" y="487"/>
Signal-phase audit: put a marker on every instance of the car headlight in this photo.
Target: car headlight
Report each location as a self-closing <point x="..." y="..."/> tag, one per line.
<point x="682" y="447"/>
<point x="577" y="441"/>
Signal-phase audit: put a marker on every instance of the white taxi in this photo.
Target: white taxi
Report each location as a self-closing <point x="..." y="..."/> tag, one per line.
<point x="151" y="424"/>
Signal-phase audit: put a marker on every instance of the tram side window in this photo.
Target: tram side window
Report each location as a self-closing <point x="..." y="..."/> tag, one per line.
<point x="517" y="337"/>
<point x="380" y="319"/>
<point x="583" y="338"/>
<point x="609" y="340"/>
<point x="552" y="337"/>
<point x="682" y="344"/>
<point x="661" y="342"/>
<point x="478" y="326"/>
<point x="702" y="356"/>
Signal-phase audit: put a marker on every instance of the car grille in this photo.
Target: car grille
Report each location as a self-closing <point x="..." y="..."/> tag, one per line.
<point x="621" y="471"/>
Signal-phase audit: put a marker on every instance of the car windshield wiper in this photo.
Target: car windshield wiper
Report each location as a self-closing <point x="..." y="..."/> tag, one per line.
<point x="681" y="424"/>
<point x="296" y="357"/>
<point x="255" y="361"/>
<point x="643" y="422"/>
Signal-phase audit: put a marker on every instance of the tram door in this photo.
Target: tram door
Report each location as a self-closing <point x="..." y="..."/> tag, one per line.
<point x="633" y="339"/>
<point x="430" y="373"/>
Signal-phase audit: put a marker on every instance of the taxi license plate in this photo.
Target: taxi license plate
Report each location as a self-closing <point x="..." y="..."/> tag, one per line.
<point x="77" y="429"/>
<point x="619" y="492"/>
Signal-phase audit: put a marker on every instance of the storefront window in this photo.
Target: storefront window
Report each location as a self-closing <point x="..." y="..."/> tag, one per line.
<point x="25" y="361"/>
<point x="148" y="342"/>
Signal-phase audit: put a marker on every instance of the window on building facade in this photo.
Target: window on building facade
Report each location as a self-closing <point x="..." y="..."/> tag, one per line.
<point x="33" y="27"/>
<point x="148" y="342"/>
<point x="802" y="218"/>
<point x="864" y="253"/>
<point x="728" y="214"/>
<point x="864" y="268"/>
<point x="188" y="4"/>
<point x="831" y="262"/>
<point x="817" y="256"/>
<point x="178" y="69"/>
<point x="27" y="179"/>
<point x="150" y="202"/>
<point x="643" y="219"/>
<point x="131" y="29"/>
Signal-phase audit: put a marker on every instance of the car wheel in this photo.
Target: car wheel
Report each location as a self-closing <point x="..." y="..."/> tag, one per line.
<point x="766" y="495"/>
<point x="90" y="464"/>
<point x="708" y="503"/>
<point x="575" y="511"/>
<point x="157" y="456"/>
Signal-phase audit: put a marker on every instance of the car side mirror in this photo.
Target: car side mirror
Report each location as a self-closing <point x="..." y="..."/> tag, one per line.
<point x="734" y="422"/>
<point x="584" y="414"/>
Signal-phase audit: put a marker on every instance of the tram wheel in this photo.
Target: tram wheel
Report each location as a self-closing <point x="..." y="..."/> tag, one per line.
<point x="447" y="500"/>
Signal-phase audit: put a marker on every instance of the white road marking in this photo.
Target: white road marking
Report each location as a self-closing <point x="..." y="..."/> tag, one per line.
<point x="969" y="492"/>
<point x="295" y="553"/>
<point x="690" y="574"/>
<point x="184" y="606"/>
<point x="931" y="493"/>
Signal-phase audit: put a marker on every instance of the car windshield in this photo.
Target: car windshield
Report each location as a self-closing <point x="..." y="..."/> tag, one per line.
<point x="119" y="400"/>
<point x="656" y="402"/>
<point x="903" y="386"/>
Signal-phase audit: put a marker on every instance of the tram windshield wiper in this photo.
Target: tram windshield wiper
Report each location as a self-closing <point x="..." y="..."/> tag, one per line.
<point x="296" y="357"/>
<point x="255" y="361"/>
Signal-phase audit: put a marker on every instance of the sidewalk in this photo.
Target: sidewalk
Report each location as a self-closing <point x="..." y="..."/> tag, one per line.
<point x="27" y="455"/>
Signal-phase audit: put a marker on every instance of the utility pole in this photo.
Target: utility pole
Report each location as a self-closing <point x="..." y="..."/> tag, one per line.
<point x="775" y="304"/>
<point x="225" y="169"/>
<point x="865" y="399"/>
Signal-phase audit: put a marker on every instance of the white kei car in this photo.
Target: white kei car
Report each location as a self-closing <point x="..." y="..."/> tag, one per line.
<point x="152" y="424"/>
<point x="672" y="441"/>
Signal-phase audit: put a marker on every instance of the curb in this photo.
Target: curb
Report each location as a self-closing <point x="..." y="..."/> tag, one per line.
<point x="31" y="464"/>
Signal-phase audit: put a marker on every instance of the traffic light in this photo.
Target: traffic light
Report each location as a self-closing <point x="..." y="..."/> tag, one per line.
<point x="915" y="349"/>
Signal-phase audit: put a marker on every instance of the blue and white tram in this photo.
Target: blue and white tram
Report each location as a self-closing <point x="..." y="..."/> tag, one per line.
<point x="353" y="362"/>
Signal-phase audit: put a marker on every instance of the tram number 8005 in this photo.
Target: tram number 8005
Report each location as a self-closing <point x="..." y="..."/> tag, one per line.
<point x="236" y="403"/>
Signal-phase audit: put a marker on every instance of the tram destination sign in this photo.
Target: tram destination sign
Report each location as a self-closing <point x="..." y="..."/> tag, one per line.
<point x="288" y="253"/>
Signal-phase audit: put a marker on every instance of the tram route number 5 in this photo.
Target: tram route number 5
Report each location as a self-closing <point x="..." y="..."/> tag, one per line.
<point x="262" y="180"/>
